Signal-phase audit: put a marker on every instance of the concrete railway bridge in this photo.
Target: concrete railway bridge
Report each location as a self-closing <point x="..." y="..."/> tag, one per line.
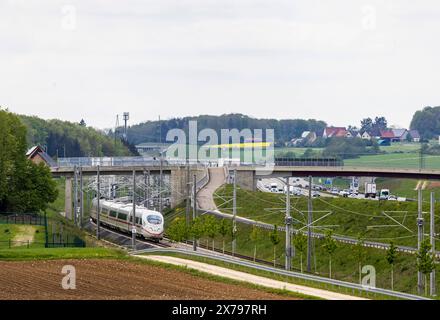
<point x="247" y="175"/>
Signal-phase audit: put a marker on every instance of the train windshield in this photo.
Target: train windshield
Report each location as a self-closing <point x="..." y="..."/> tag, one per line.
<point x="154" y="219"/>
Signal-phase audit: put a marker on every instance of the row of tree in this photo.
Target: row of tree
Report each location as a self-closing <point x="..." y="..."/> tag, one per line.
<point x="68" y="139"/>
<point x="24" y="186"/>
<point x="210" y="227"/>
<point x="285" y="130"/>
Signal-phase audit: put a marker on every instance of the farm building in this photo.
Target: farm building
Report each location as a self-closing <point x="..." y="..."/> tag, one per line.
<point x="37" y="155"/>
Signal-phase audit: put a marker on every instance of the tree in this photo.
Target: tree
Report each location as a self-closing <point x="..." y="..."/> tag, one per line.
<point x="300" y="243"/>
<point x="391" y="259"/>
<point x="427" y="122"/>
<point x="255" y="236"/>
<point x="359" y="253"/>
<point x="211" y="227"/>
<point x="225" y="228"/>
<point x="275" y="239"/>
<point x="24" y="185"/>
<point x="366" y="125"/>
<point x="330" y="247"/>
<point x="425" y="261"/>
<point x="197" y="228"/>
<point x="348" y="148"/>
<point x="380" y="123"/>
<point x="177" y="231"/>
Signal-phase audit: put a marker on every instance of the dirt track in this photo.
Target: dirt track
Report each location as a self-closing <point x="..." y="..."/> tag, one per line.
<point x="113" y="279"/>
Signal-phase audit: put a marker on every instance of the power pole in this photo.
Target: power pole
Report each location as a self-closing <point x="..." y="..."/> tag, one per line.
<point x="188" y="205"/>
<point x="160" y="185"/>
<point x="75" y="194"/>
<point x="309" y="227"/>
<point x="288" y="228"/>
<point x="125" y="116"/>
<point x="234" y="214"/>
<point x="145" y="188"/>
<point x="148" y="189"/>
<point x="194" y="208"/>
<point x="98" y="209"/>
<point x="432" y="236"/>
<point x="133" y="217"/>
<point x="81" y="197"/>
<point x="419" y="237"/>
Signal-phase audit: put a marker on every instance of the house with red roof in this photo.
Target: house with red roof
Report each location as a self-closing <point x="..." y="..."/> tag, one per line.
<point x="330" y="132"/>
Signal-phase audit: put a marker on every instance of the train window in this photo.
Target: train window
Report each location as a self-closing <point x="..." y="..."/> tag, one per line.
<point x="154" y="219"/>
<point x="122" y="216"/>
<point x="104" y="212"/>
<point x="137" y="220"/>
<point x="113" y="214"/>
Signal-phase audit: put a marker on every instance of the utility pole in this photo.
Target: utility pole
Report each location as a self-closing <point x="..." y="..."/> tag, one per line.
<point x="81" y="197"/>
<point x="145" y="188"/>
<point x="75" y="194"/>
<point x="133" y="217"/>
<point x="194" y="208"/>
<point x="125" y="116"/>
<point x="148" y="189"/>
<point x="309" y="227"/>
<point x="160" y="185"/>
<point x="419" y="237"/>
<point x="432" y="236"/>
<point x="234" y="214"/>
<point x="188" y="205"/>
<point x="288" y="228"/>
<point x="98" y="207"/>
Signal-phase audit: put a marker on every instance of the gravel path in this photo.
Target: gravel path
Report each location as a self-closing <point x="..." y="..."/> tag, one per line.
<point x="243" y="276"/>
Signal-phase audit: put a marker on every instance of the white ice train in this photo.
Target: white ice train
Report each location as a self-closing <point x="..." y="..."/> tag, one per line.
<point x="118" y="215"/>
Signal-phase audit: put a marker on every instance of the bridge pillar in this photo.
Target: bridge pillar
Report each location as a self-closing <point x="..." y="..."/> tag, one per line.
<point x="246" y="179"/>
<point x="178" y="181"/>
<point x="68" y="198"/>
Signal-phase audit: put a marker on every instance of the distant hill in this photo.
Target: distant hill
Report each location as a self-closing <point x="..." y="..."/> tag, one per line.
<point x="77" y="140"/>
<point x="285" y="130"/>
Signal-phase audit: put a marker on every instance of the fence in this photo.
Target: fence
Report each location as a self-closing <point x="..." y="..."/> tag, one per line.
<point x="22" y="218"/>
<point x="51" y="240"/>
<point x="311" y="162"/>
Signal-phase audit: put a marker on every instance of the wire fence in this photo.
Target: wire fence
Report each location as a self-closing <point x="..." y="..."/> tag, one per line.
<point x="51" y="234"/>
<point x="22" y="218"/>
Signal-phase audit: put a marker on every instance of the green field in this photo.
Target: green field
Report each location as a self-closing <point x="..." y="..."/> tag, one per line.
<point x="20" y="236"/>
<point x="394" y="160"/>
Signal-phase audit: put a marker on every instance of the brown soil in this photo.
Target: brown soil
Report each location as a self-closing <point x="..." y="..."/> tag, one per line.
<point x="113" y="279"/>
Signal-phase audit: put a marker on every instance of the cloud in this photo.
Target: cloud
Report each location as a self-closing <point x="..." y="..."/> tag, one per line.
<point x="338" y="61"/>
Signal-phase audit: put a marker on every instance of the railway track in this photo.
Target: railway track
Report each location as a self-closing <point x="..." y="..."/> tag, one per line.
<point x="122" y="239"/>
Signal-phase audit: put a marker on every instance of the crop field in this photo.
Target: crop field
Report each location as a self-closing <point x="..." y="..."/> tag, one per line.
<point x="115" y="279"/>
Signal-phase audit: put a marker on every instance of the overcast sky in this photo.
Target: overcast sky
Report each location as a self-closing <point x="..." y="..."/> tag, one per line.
<point x="338" y="60"/>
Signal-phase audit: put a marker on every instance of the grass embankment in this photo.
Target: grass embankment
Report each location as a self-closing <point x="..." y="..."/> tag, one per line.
<point x="348" y="217"/>
<point x="374" y="220"/>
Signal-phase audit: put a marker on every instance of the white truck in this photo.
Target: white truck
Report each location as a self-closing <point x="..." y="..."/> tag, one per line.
<point x="370" y="190"/>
